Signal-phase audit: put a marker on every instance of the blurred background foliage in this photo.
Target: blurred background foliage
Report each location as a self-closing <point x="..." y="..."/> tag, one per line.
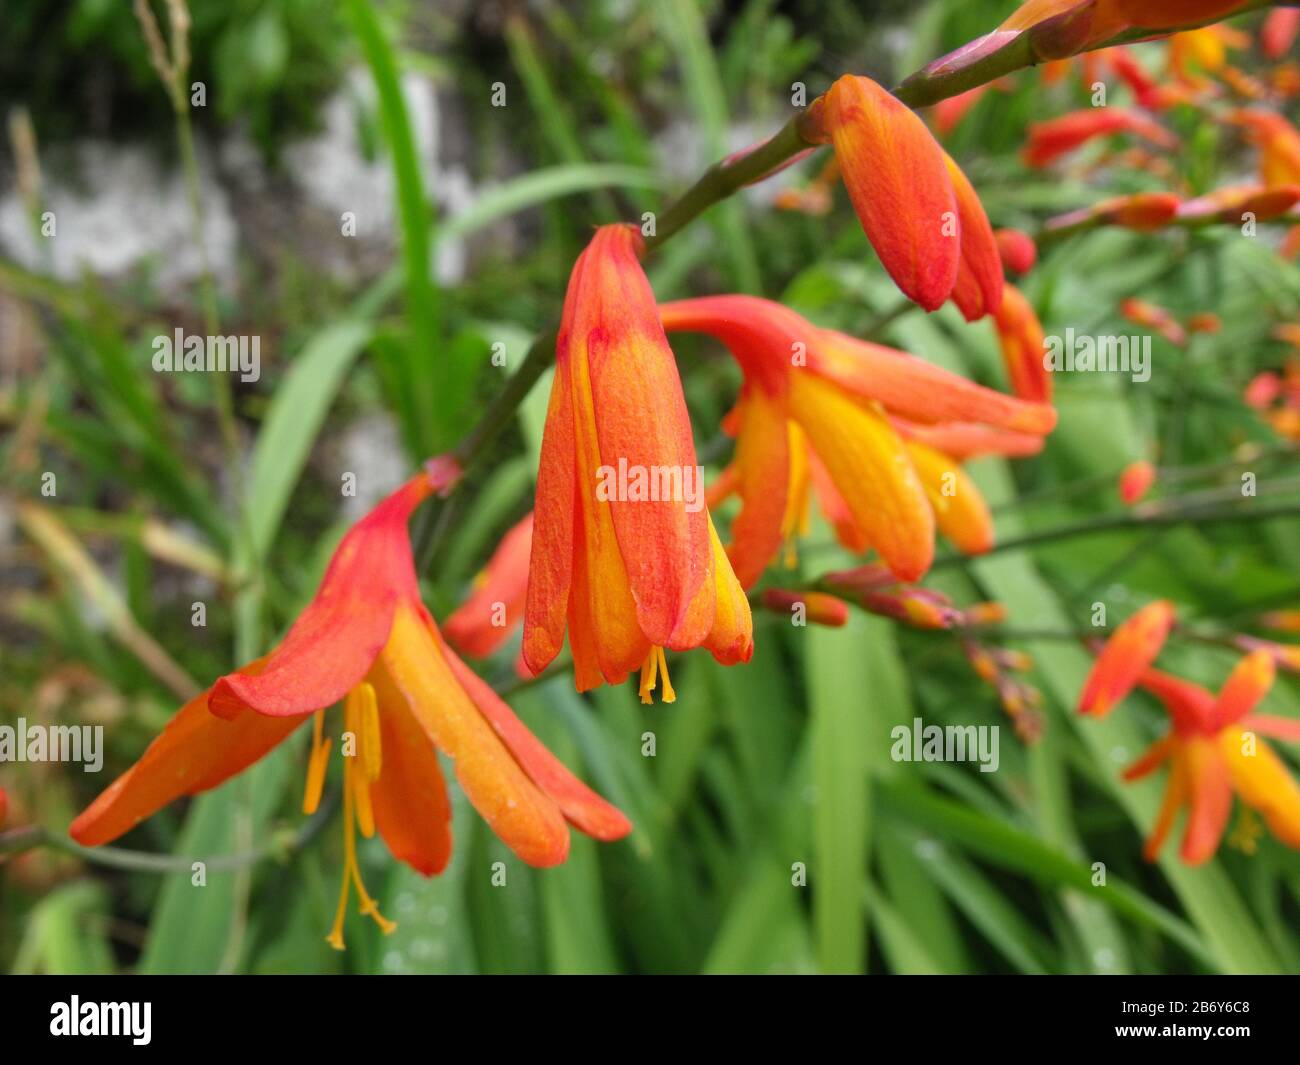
<point x="372" y="359"/>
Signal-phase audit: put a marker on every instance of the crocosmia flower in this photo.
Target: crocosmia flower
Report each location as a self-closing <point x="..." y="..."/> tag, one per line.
<point x="481" y="624"/>
<point x="917" y="208"/>
<point x="367" y="640"/>
<point x="1214" y="748"/>
<point x="814" y="418"/>
<point x="624" y="553"/>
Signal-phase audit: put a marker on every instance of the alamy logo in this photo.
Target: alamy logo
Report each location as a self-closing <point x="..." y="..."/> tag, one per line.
<point x="53" y="743"/>
<point x="651" y="484"/>
<point x="1088" y="354"/>
<point x="102" y="1018"/>
<point x="951" y="743"/>
<point x="208" y="354"/>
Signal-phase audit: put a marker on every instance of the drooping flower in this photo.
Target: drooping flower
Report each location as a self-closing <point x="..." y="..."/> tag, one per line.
<point x="813" y="417"/>
<point x="1136" y="481"/>
<point x="482" y="623"/>
<point x="366" y="639"/>
<point x="624" y="553"/>
<point x="915" y="204"/>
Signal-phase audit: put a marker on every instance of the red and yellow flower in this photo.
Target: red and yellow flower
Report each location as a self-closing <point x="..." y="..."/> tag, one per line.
<point x="627" y="577"/>
<point x="814" y="416"/>
<point x="915" y="204"/>
<point x="482" y="623"/>
<point x="1213" y="747"/>
<point x="367" y="640"/>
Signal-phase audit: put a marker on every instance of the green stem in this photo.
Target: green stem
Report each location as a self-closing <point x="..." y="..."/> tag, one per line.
<point x="1138" y="519"/>
<point x="29" y="837"/>
<point x="726" y="177"/>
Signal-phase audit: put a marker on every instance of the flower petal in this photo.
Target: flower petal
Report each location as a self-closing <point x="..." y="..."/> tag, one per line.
<point x="1264" y="783"/>
<point x="411" y="808"/>
<point x="550" y="567"/>
<point x="412" y="667"/>
<point x="581" y="806"/>
<point x="1127" y="654"/>
<point x="762" y="465"/>
<point x="194" y="752"/>
<point x="978" y="291"/>
<point x="959" y="507"/>
<point x="1209" y="789"/>
<point x="342" y="630"/>
<point x="472" y="627"/>
<point x="871" y="470"/>
<point x="1249" y="682"/>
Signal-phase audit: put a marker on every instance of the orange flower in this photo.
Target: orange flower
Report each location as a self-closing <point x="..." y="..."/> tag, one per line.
<point x="812" y="417"/>
<point x="4" y="807"/>
<point x="367" y="639"/>
<point x="1051" y="140"/>
<point x="624" y="553"/>
<point x="481" y="624"/>
<point x="916" y="206"/>
<point x="1136" y="481"/>
<point x="1023" y="343"/>
<point x="1279" y="32"/>
<point x="1018" y="251"/>
<point x="1125" y="658"/>
<point x="1213" y="749"/>
<point x="1279" y="144"/>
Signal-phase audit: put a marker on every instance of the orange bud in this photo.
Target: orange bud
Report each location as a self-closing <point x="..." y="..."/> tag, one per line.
<point x="1279" y="32"/>
<point x="817" y="607"/>
<point x="1018" y="250"/>
<point x="1136" y="481"/>
<point x="915" y="205"/>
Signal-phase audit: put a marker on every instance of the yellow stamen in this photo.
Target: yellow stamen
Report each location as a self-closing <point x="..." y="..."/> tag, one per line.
<point x="653" y="668"/>
<point x="317" y="763"/>
<point x="368" y="720"/>
<point x="669" y="695"/>
<point x="649" y="672"/>
<point x="357" y="811"/>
